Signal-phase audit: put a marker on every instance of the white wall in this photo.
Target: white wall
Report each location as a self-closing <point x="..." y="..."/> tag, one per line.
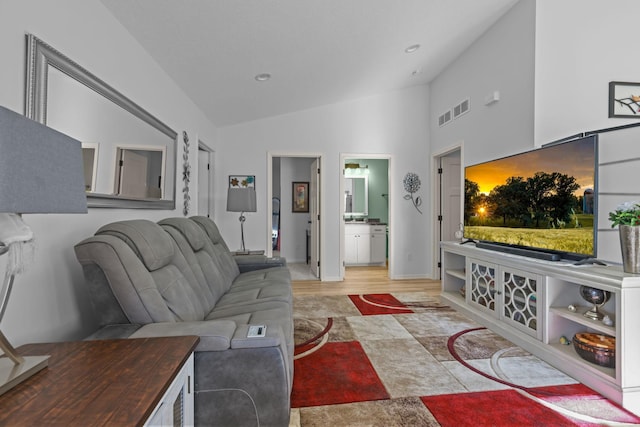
<point x="394" y="123"/>
<point x="582" y="45"/>
<point x="49" y="301"/>
<point x="501" y="60"/>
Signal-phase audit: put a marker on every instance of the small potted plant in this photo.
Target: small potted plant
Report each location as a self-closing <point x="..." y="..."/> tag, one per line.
<point x="627" y="218"/>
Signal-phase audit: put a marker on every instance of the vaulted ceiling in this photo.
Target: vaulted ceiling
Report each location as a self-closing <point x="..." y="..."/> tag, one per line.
<point x="317" y="52"/>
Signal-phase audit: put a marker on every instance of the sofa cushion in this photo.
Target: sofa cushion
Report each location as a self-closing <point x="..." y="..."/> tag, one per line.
<point x="246" y="288"/>
<point x="206" y="278"/>
<point x="146" y="238"/>
<point x="173" y="280"/>
<point x="217" y="248"/>
<point x="189" y="229"/>
<point x="162" y="295"/>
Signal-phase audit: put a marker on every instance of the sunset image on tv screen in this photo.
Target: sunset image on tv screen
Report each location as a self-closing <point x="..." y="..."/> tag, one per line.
<point x="542" y="198"/>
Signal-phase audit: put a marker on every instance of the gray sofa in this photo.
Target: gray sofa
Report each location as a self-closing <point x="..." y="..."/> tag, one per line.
<point x="177" y="277"/>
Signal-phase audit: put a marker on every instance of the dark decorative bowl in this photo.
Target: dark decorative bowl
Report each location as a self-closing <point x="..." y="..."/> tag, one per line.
<point x="596" y="348"/>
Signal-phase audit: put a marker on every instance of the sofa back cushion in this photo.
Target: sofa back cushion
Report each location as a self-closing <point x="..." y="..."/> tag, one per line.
<point x="145" y="238"/>
<point x="217" y="248"/>
<point x="208" y="271"/>
<point x="156" y="281"/>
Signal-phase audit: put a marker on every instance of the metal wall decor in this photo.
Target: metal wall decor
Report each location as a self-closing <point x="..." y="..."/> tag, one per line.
<point x="411" y="184"/>
<point x="186" y="174"/>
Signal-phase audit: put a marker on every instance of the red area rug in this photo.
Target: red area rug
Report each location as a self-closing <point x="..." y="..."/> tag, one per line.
<point x="339" y="372"/>
<point x="372" y="304"/>
<point x="492" y="408"/>
<point x="336" y="384"/>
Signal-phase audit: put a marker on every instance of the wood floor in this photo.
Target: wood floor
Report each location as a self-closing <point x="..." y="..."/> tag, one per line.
<point x="360" y="280"/>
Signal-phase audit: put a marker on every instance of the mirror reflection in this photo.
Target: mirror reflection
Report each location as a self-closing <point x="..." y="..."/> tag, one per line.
<point x="130" y="156"/>
<point x="356" y="189"/>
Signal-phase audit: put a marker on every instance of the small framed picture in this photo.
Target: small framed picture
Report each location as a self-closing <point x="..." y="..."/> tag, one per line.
<point x="624" y="99"/>
<point x="242" y="181"/>
<point x="300" y="202"/>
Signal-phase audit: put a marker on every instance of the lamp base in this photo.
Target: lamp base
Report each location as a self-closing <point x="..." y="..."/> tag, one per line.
<point x="12" y="374"/>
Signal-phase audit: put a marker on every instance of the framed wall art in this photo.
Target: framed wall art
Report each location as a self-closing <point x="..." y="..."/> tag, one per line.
<point x="242" y="181"/>
<point x="624" y="99"/>
<point x="300" y="202"/>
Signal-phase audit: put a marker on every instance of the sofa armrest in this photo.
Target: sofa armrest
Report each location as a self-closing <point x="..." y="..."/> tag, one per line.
<point x="272" y="338"/>
<point x="258" y="262"/>
<point x="215" y="335"/>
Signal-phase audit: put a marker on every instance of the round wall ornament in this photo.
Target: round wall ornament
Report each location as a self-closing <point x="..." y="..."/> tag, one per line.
<point x="411" y="184"/>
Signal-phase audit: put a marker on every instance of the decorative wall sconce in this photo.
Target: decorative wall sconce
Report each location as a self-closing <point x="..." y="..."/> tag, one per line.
<point x="412" y="183"/>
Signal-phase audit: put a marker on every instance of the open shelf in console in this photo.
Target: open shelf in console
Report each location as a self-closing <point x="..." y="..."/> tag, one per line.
<point x="558" y="288"/>
<point x="608" y="374"/>
<point x="453" y="267"/>
<point x="579" y="318"/>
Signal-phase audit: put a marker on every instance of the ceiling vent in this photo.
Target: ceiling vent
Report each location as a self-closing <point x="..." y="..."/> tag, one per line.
<point x="461" y="108"/>
<point x="444" y="118"/>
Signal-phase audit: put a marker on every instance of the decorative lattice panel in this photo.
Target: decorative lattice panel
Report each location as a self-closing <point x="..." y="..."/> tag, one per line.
<point x="483" y="285"/>
<point x="520" y="299"/>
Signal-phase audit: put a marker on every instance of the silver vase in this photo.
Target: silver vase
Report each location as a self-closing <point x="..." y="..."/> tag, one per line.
<point x="630" y="246"/>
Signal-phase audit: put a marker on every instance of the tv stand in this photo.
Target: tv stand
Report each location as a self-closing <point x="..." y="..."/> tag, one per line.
<point x="531" y="253"/>
<point x="537" y="305"/>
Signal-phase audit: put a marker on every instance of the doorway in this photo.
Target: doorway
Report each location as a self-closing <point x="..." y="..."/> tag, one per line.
<point x="365" y="214"/>
<point x="294" y="190"/>
<point x="205" y="180"/>
<point x="448" y="182"/>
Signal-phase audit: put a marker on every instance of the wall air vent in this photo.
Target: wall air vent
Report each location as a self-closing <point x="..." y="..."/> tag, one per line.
<point x="444" y="118"/>
<point x="461" y="108"/>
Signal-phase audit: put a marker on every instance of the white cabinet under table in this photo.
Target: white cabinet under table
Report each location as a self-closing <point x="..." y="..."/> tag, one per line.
<point x="526" y="300"/>
<point x="122" y="382"/>
<point x="365" y="244"/>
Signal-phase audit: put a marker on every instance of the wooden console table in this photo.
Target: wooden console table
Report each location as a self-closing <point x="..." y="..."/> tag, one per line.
<point x="94" y="383"/>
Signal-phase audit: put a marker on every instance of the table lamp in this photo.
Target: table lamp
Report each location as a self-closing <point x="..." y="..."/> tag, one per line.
<point x="41" y="171"/>
<point x="241" y="200"/>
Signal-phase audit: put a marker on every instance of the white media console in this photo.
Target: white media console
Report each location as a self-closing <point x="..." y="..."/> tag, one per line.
<point x="527" y="301"/>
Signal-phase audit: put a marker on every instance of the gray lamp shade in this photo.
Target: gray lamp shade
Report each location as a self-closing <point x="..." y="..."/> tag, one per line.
<point x="241" y="200"/>
<point x="41" y="169"/>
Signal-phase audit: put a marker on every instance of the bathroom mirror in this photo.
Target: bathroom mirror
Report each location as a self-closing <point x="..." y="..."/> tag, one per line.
<point x="356" y="193"/>
<point x="66" y="97"/>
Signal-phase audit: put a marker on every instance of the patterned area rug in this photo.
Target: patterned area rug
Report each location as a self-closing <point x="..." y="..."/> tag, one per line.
<point x="403" y="359"/>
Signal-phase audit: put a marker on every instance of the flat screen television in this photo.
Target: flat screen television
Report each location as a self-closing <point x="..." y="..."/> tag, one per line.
<point x="540" y="203"/>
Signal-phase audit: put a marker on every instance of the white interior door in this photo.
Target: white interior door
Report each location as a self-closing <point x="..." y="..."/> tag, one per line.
<point x="314" y="212"/>
<point x="451" y="188"/>
<point x="449" y="211"/>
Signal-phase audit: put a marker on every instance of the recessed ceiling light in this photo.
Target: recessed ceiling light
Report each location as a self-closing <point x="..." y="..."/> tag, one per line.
<point x="412" y="48"/>
<point x="263" y="77"/>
